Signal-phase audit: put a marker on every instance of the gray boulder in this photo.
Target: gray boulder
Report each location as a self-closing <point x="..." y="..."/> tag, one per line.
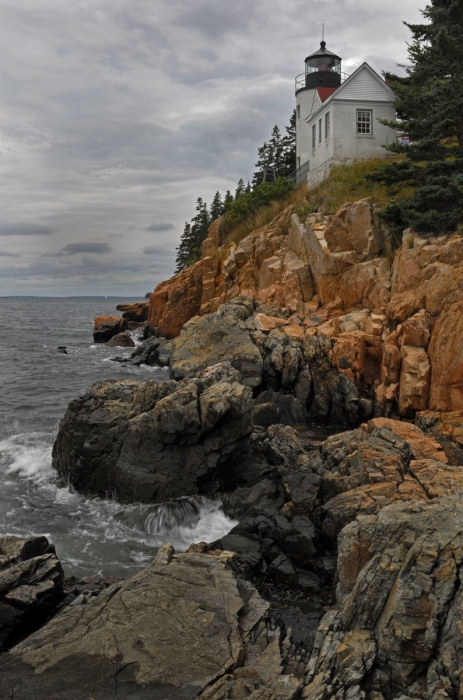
<point x="217" y="337"/>
<point x="31" y="585"/>
<point x="153" y="441"/>
<point x="186" y="627"/>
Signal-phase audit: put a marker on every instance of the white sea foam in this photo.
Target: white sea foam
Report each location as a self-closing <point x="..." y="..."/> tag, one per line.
<point x="28" y="456"/>
<point x="94" y="533"/>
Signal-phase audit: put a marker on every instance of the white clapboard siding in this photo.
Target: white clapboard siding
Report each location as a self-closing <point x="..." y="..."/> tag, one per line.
<point x="364" y="86"/>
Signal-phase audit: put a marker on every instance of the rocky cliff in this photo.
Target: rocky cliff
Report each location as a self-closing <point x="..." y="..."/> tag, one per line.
<point x="342" y="579"/>
<point x="392" y="318"/>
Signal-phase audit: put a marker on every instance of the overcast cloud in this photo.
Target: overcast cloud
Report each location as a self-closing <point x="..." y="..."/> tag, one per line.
<point x="117" y="114"/>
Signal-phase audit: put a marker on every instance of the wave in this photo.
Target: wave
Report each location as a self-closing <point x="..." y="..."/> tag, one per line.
<point x="94" y="534"/>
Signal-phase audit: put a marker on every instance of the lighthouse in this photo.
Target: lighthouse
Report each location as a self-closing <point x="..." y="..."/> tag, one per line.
<point x="338" y="117"/>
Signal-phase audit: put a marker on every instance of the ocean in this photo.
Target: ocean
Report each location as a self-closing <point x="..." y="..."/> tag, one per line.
<point x="91" y="536"/>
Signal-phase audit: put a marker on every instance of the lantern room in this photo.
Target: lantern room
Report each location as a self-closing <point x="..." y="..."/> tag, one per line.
<point x="322" y="68"/>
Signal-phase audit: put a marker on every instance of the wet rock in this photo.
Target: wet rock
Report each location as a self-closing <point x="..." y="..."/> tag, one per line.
<point x="106" y="327"/>
<point x="153" y="351"/>
<point x="31" y="586"/>
<point x="121" y="340"/>
<point x="186" y="627"/>
<point x="155" y="440"/>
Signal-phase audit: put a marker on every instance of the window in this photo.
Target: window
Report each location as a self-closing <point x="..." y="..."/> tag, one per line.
<point x="319" y="131"/>
<point x="314" y="136"/>
<point x="327" y="125"/>
<point x="298" y="111"/>
<point x="364" y="121"/>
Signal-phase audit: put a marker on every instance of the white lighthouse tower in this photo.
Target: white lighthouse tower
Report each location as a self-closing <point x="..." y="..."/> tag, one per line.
<point x="337" y="119"/>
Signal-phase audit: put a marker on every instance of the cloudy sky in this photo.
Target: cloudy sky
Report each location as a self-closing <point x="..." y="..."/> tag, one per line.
<point x="117" y="114"/>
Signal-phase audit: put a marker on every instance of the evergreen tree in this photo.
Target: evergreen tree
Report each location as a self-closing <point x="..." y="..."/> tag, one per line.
<point x="199" y="229"/>
<point x="263" y="161"/>
<point x="184" y="249"/>
<point x="430" y="112"/>
<point x="289" y="148"/>
<point x="248" y="188"/>
<point x="240" y="188"/>
<point x="276" y="151"/>
<point x="227" y="200"/>
<point x="216" y="207"/>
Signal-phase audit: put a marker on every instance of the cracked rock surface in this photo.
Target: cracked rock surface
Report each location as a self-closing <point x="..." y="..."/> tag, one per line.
<point x="188" y="626"/>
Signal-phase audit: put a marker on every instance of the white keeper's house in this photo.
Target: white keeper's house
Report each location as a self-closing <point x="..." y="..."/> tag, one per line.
<point x="337" y="117"/>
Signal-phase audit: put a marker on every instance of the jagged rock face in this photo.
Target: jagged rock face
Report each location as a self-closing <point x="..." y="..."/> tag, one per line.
<point x="152" y="441"/>
<point x="397" y="630"/>
<point x="396" y="331"/>
<point x="175" y="301"/>
<point x="31" y="586"/>
<point x="186" y="627"/>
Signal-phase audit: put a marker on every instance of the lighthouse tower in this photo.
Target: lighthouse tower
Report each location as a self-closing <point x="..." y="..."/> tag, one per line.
<point x="322" y="70"/>
<point x="339" y="120"/>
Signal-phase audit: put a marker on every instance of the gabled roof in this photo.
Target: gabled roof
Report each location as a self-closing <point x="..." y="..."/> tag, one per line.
<point x="363" y="84"/>
<point x="325" y="92"/>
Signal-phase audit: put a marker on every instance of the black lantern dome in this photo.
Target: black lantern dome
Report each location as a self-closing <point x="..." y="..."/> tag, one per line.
<point x="322" y="68"/>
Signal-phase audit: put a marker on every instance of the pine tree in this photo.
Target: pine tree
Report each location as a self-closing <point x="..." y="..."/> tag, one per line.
<point x="240" y="188"/>
<point x="430" y="112"/>
<point x="248" y="188"/>
<point x="289" y="148"/>
<point x="184" y="249"/>
<point x="276" y="151"/>
<point x="216" y="207"/>
<point x="264" y="157"/>
<point x="199" y="229"/>
<point x="227" y="200"/>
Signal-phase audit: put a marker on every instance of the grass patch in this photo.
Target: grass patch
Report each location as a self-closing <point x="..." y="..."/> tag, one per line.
<point x="345" y="183"/>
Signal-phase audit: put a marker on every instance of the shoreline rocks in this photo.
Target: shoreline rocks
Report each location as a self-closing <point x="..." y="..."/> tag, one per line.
<point x="31" y="586"/>
<point x="151" y="441"/>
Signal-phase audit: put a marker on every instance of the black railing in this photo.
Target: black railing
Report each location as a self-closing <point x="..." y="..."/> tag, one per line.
<point x="300" y="80"/>
<point x="299" y="176"/>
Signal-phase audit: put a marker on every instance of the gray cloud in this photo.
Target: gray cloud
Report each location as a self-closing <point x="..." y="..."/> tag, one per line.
<point x="74" y="248"/>
<point x="157" y="250"/>
<point x="24" y="229"/>
<point x="7" y="254"/>
<point x="160" y="227"/>
<point x="125" y="113"/>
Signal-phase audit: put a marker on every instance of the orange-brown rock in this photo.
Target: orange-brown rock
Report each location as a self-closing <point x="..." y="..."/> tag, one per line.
<point x="446" y="356"/>
<point x="422" y="446"/>
<point x="268" y="323"/>
<point x="414" y="380"/>
<point x="137" y="312"/>
<point x="106" y="327"/>
<point x="175" y="301"/>
<point x="104" y="320"/>
<point x="427" y="274"/>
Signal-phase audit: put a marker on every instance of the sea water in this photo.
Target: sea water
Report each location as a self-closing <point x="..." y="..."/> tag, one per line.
<point x="37" y="382"/>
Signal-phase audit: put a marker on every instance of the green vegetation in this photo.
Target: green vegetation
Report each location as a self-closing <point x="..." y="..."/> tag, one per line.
<point x="430" y="111"/>
<point x="249" y="202"/>
<point x="348" y="183"/>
